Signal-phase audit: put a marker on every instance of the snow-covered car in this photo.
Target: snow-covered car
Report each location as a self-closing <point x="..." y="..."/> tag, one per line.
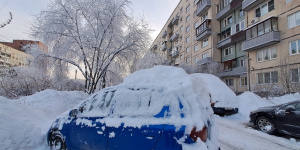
<point x="158" y="108"/>
<point x="283" y="118"/>
<point x="223" y="99"/>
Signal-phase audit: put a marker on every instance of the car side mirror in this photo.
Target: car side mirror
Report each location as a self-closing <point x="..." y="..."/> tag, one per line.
<point x="290" y="109"/>
<point x="73" y="113"/>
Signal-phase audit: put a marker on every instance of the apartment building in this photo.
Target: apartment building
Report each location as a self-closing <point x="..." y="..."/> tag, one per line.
<point x="187" y="35"/>
<point x="257" y="41"/>
<point x="10" y="57"/>
<point x="273" y="44"/>
<point x="230" y="38"/>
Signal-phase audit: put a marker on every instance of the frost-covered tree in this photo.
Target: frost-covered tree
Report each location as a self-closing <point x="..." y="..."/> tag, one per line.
<point x="148" y="60"/>
<point x="90" y="34"/>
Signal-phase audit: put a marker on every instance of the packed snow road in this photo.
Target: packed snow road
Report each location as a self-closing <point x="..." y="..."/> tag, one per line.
<point x="234" y="135"/>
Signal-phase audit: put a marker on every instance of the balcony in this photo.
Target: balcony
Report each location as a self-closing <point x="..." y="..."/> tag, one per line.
<point x="175" y="53"/>
<point x="164" y="34"/>
<point x="204" y="60"/>
<point x="203" y="30"/>
<point x="264" y="40"/>
<point x="154" y="47"/>
<point x="174" y="21"/>
<point x="174" y="37"/>
<point x="164" y="46"/>
<point x="233" y="72"/>
<point x="203" y="6"/>
<point x="226" y="8"/>
<point x="237" y="37"/>
<point x="250" y="4"/>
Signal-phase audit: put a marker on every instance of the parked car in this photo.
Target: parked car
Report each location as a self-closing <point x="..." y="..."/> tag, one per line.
<point x="283" y="118"/>
<point x="223" y="100"/>
<point x="136" y="116"/>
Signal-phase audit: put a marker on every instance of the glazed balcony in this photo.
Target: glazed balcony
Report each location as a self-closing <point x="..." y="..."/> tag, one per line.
<point x="264" y="40"/>
<point x="175" y="53"/>
<point x="164" y="34"/>
<point x="203" y="30"/>
<point x="250" y="4"/>
<point x="174" y="21"/>
<point x="223" y="10"/>
<point x="262" y="34"/>
<point x="203" y="6"/>
<point x="174" y="37"/>
<point x="237" y="37"/>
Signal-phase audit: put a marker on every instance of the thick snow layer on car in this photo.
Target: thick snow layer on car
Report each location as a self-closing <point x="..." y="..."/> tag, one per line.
<point x="25" y="122"/>
<point x="218" y="90"/>
<point x="143" y="95"/>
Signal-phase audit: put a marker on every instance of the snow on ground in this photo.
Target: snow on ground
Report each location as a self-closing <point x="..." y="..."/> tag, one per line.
<point x="25" y="122"/>
<point x="249" y="101"/>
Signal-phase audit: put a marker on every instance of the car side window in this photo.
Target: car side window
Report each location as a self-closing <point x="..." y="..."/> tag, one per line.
<point x="97" y="105"/>
<point x="285" y="106"/>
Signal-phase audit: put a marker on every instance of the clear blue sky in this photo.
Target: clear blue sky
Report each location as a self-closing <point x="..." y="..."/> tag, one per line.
<point x="156" y="13"/>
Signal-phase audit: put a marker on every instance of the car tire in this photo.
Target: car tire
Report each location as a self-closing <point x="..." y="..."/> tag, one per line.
<point x="57" y="142"/>
<point x="266" y="125"/>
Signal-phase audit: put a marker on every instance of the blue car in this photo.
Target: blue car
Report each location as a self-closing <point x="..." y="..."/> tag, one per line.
<point x="135" y="118"/>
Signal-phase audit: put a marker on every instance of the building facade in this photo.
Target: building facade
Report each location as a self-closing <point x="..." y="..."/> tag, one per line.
<point x="10" y="57"/>
<point x="256" y="41"/>
<point x="272" y="43"/>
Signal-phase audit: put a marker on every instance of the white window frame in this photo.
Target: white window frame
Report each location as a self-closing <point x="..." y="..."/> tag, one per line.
<point x="188" y="49"/>
<point x="297" y="47"/>
<point x="204" y="43"/>
<point x="205" y="55"/>
<point x="269" y="51"/>
<point x="227" y="81"/>
<point x="188" y="18"/>
<point x="196" y="60"/>
<point x="298" y="69"/>
<point x="263" y="80"/>
<point x="188" y="29"/>
<point x="196" y="48"/>
<point x="245" y="81"/>
<point x="267" y="6"/>
<point x="188" y="39"/>
<point x="230" y="51"/>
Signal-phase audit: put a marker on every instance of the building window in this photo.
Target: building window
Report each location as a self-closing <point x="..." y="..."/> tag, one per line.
<point x="196" y="48"/>
<point x="196" y="24"/>
<point x="294" y="20"/>
<point x="181" y="28"/>
<point x="204" y="17"/>
<point x="243" y="81"/>
<point x="229" y="82"/>
<point x="266" y="55"/>
<point x="188" y="18"/>
<point x="264" y="8"/>
<point x="188" y="28"/>
<point x="228" y="51"/>
<point x="181" y="10"/>
<point x="295" y="74"/>
<point x="294" y="47"/>
<point x="238" y="27"/>
<point x="262" y="28"/>
<point x="204" y="42"/>
<point x="286" y="1"/>
<point x="187" y="49"/>
<point x="188" y="8"/>
<point x="243" y="63"/>
<point x="188" y="39"/>
<point x="267" y="77"/>
<point x="195" y="13"/>
<point x="181" y="57"/>
<point x="188" y="60"/>
<point x="226" y="34"/>
<point x="241" y="14"/>
<point x="205" y="55"/>
<point x="196" y="60"/>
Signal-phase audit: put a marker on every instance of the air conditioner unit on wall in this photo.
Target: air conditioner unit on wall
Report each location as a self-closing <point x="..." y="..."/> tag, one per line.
<point x="254" y="20"/>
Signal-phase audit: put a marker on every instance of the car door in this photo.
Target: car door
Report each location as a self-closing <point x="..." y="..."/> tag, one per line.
<point x="123" y="137"/>
<point x="290" y="120"/>
<point x="86" y="131"/>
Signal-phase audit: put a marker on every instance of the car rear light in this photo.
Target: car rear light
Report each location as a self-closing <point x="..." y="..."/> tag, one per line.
<point x="199" y="134"/>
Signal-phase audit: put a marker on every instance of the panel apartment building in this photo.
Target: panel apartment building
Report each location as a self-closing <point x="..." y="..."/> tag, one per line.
<point x="257" y="41"/>
<point x="202" y="31"/>
<point x="12" y="53"/>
